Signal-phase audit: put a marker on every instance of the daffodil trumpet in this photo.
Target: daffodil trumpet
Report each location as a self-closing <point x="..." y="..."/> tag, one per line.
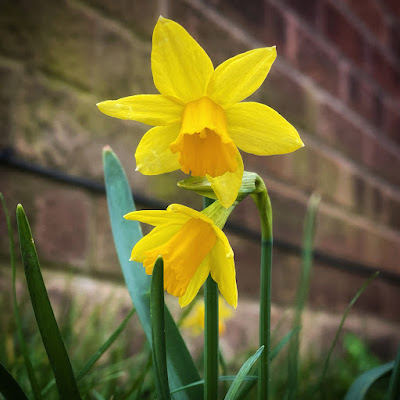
<point x="199" y="118"/>
<point x="192" y="245"/>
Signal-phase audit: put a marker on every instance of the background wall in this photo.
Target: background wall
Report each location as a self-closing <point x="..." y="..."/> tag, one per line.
<point x="337" y="79"/>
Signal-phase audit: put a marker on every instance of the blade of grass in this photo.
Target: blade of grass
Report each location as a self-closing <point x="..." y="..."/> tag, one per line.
<point x="17" y="316"/>
<point x="243" y="392"/>
<point x="393" y="392"/>
<point x="360" y="386"/>
<point x="244" y="370"/>
<point x="302" y="294"/>
<point x="9" y="387"/>
<point x="46" y="321"/>
<point x="181" y="368"/>
<point x="102" y="349"/>
<point x="158" y="330"/>
<point x="346" y="312"/>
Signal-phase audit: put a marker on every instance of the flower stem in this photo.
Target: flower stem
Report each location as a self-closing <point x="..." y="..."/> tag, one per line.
<point x="210" y="334"/>
<point x="263" y="203"/>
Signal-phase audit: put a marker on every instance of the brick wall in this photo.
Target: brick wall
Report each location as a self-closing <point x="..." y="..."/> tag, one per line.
<point x="337" y="79"/>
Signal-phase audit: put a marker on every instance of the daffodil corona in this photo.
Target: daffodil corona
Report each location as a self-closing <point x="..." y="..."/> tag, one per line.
<point x="192" y="246"/>
<point x="198" y="116"/>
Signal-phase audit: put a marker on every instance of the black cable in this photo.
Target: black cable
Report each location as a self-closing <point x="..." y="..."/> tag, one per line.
<point x="8" y="159"/>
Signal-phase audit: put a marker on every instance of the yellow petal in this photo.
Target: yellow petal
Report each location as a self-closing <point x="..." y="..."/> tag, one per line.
<point x="157" y="217"/>
<point x="258" y="129"/>
<point x="196" y="283"/>
<point x="240" y="76"/>
<point x="153" y="155"/>
<point x="151" y="109"/>
<point x="190" y="213"/>
<point x="223" y="271"/>
<point x="181" y="68"/>
<point x="226" y="186"/>
<point x="155" y="238"/>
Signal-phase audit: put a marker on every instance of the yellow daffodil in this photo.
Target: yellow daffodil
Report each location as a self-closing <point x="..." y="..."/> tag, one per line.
<point x="195" y="320"/>
<point x="198" y="116"/>
<point x="192" y="247"/>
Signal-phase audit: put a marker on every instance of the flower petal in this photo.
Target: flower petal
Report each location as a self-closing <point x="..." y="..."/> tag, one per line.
<point x="226" y="186"/>
<point x="153" y="155"/>
<point x="258" y="129"/>
<point x="223" y="270"/>
<point x="157" y="217"/>
<point x="181" y="68"/>
<point x="155" y="238"/>
<point x="197" y="281"/>
<point x="151" y="109"/>
<point x="240" y="76"/>
<point x="189" y="212"/>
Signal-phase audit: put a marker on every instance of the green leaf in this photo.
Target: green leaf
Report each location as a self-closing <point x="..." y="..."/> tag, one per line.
<point x="360" y="386"/>
<point x="393" y="392"/>
<point x="181" y="369"/>
<point x="17" y="315"/>
<point x="158" y="330"/>
<point x="283" y="342"/>
<point x="46" y="321"/>
<point x="9" y="387"/>
<point x="244" y="370"/>
<point x="302" y="294"/>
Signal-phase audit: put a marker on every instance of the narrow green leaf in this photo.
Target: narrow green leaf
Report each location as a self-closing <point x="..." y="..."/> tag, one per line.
<point x="346" y="312"/>
<point x="302" y="294"/>
<point x="360" y="386"/>
<point x="244" y="370"/>
<point x="181" y="368"/>
<point x="9" y="387"/>
<point x="393" y="392"/>
<point x="17" y="315"/>
<point x="158" y="330"/>
<point x="46" y="321"/>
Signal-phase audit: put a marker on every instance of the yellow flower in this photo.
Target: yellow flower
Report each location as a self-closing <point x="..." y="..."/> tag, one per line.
<point x="192" y="247"/>
<point x="195" y="320"/>
<point x="198" y="118"/>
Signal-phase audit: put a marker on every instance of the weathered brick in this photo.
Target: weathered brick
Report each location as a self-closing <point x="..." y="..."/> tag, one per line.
<point x="393" y="7"/>
<point x="370" y="12"/>
<point x="306" y="9"/>
<point x="394" y="38"/>
<point x="342" y="33"/>
<point x="138" y="16"/>
<point x="391" y="122"/>
<point x="316" y="61"/>
<point x="107" y="61"/>
<point x="384" y="71"/>
<point x="219" y="44"/>
<point x="10" y="78"/>
<point x="62" y="225"/>
<point x="264" y="20"/>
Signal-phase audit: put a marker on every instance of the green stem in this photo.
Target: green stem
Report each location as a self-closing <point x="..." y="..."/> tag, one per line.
<point x="263" y="203"/>
<point x="210" y="335"/>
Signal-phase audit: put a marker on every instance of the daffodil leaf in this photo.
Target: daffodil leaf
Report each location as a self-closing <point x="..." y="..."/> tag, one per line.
<point x="181" y="368"/>
<point x="158" y="330"/>
<point x="51" y="336"/>
<point x="360" y="386"/>
<point x="244" y="370"/>
<point x="9" y="387"/>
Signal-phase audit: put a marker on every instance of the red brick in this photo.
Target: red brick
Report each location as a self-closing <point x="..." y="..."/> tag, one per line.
<point x="383" y="71"/>
<point x="340" y="132"/>
<point x="393" y="7"/>
<point x="306" y="9"/>
<point x="262" y="19"/>
<point x="62" y="228"/>
<point x="391" y="125"/>
<point x="314" y="60"/>
<point x="394" y="40"/>
<point x="340" y="31"/>
<point x="371" y="14"/>
<point x="364" y="99"/>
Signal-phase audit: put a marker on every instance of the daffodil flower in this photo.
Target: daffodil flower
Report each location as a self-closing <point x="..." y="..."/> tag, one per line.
<point x="198" y="116"/>
<point x="192" y="247"/>
<point x="195" y="320"/>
